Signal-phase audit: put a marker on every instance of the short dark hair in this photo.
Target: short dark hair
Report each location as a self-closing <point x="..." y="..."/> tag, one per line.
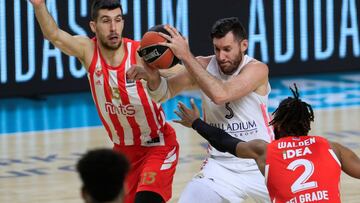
<point x="293" y="116"/>
<point x="222" y="26"/>
<point x="102" y="172"/>
<point x="103" y="4"/>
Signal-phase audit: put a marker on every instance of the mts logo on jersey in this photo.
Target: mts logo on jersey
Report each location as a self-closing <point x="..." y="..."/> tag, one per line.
<point x="126" y="110"/>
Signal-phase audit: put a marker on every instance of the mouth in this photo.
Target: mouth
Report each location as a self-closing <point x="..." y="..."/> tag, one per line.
<point x="114" y="38"/>
<point x="224" y="63"/>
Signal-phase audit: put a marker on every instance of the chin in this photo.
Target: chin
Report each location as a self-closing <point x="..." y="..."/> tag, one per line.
<point x="113" y="46"/>
<point x="228" y="70"/>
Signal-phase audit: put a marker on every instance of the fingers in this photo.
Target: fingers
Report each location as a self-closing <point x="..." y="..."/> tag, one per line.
<point x="193" y="105"/>
<point x="167" y="37"/>
<point x="170" y="38"/>
<point x="183" y="109"/>
<point x="172" y="31"/>
<point x="179" y="114"/>
<point x="131" y="73"/>
<point x="136" y="72"/>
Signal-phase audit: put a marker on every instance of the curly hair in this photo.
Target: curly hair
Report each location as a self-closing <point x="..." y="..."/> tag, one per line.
<point x="293" y="116"/>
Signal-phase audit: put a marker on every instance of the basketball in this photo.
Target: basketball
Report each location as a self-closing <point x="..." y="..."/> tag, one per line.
<point x="156" y="56"/>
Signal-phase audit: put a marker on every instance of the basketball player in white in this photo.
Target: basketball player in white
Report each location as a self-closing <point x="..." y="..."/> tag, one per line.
<point x="235" y="91"/>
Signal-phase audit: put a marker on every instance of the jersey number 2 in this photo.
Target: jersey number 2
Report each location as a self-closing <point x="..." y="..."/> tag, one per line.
<point x="300" y="184"/>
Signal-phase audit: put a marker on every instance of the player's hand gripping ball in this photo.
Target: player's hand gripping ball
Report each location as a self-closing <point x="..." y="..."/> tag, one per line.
<point x="156" y="56"/>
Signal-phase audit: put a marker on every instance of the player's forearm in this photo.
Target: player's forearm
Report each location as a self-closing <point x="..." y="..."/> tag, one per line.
<point x="47" y="24"/>
<point x="210" y="85"/>
<point x="217" y="137"/>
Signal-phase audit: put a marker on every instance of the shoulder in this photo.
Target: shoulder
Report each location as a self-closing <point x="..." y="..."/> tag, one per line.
<point x="85" y="41"/>
<point x="257" y="66"/>
<point x="204" y="60"/>
<point x="89" y="46"/>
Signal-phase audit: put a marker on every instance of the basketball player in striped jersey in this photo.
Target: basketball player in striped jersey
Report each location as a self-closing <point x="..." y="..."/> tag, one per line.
<point x="234" y="89"/>
<point x="134" y="122"/>
<point x="297" y="167"/>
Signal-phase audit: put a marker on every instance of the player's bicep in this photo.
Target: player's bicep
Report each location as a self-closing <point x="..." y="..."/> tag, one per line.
<point x="72" y="45"/>
<point x="249" y="79"/>
<point x="350" y="162"/>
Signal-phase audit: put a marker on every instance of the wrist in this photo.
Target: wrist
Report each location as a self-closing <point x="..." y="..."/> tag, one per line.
<point x="197" y="122"/>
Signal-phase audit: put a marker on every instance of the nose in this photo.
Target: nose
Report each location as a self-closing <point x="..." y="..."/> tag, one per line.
<point x="222" y="55"/>
<point x="112" y="25"/>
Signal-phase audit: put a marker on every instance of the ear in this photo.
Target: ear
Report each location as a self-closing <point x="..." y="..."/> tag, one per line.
<point x="85" y="195"/>
<point x="244" y="45"/>
<point x="83" y="192"/>
<point x="93" y="26"/>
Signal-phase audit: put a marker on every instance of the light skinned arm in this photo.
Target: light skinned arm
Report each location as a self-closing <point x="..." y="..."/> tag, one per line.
<point x="350" y="162"/>
<point x="177" y="79"/>
<point x="70" y="45"/>
<point x="252" y="76"/>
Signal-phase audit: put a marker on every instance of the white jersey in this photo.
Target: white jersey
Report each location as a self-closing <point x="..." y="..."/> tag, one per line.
<point x="246" y="118"/>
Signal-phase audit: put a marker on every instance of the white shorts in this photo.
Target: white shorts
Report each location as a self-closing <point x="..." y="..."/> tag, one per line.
<point x="231" y="186"/>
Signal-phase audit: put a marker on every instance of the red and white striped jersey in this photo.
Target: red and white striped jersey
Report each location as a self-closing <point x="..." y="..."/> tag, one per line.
<point x="302" y="169"/>
<point x="127" y="112"/>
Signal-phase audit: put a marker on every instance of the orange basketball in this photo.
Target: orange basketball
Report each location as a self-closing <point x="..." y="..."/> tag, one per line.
<point x="156" y="56"/>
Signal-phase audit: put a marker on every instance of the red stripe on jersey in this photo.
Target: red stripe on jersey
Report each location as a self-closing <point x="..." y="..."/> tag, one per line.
<point x="114" y="119"/>
<point x="93" y="92"/>
<point x="147" y="109"/>
<point x="266" y="121"/>
<point x="158" y="111"/>
<point x="126" y="101"/>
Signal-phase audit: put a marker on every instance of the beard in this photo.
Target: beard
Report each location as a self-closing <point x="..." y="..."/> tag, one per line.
<point x="109" y="46"/>
<point x="231" y="65"/>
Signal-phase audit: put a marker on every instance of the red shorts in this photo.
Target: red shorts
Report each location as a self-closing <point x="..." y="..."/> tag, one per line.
<point x="152" y="169"/>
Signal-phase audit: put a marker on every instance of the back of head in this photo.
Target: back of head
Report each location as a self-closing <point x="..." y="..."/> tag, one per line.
<point x="102" y="172"/>
<point x="226" y="25"/>
<point x="292" y="117"/>
<point x="103" y="4"/>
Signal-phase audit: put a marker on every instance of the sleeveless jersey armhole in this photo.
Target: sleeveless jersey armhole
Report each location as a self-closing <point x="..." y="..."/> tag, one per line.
<point x="94" y="58"/>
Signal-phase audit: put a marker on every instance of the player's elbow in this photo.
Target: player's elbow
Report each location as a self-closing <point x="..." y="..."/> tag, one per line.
<point x="220" y="99"/>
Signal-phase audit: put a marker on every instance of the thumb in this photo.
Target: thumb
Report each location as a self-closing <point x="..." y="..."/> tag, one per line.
<point x="193" y="106"/>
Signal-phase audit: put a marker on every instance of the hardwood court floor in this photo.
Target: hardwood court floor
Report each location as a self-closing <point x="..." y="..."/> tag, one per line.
<point x="39" y="167"/>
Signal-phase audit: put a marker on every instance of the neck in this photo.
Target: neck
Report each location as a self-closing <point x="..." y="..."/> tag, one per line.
<point x="113" y="57"/>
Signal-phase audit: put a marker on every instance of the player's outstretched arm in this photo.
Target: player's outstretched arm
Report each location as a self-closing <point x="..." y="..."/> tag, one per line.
<point x="217" y="137"/>
<point x="70" y="45"/>
<point x="161" y="84"/>
<point x="350" y="162"/>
